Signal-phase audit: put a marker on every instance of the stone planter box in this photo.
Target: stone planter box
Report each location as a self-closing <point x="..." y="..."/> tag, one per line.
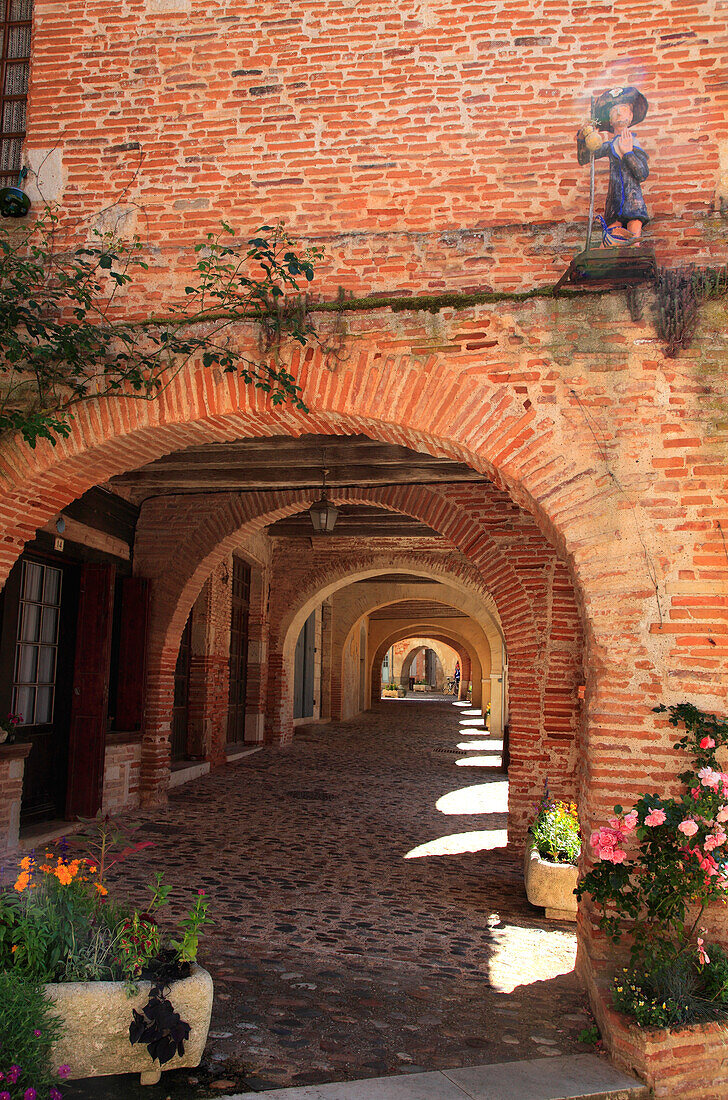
<point x="551" y="885"/>
<point x="422" y="687"/>
<point x="687" y="1062"/>
<point x="96" y="1017"/>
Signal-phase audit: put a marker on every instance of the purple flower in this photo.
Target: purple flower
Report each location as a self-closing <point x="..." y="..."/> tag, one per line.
<point x="13" y="1074"/>
<point x="64" y="1070"/>
<point x="37" y="1033"/>
<point x="5" y="1096"/>
<point x="55" y="1094"/>
<point x="30" y="1094"/>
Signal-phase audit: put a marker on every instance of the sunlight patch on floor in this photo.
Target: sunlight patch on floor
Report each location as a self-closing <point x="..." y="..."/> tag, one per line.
<point x="477" y="841"/>
<point x="482" y="745"/>
<point x="512" y="967"/>
<point x="479" y="761"/>
<point x="481" y="798"/>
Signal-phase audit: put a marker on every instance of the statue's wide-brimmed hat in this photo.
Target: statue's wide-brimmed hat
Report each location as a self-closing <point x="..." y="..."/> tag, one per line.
<point x="604" y="103"/>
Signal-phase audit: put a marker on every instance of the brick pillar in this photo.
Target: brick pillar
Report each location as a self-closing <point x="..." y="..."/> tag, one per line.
<point x="258" y="628"/>
<point x="376" y="692"/>
<point x="209" y="668"/>
<point x="12" y="766"/>
<point x="465" y="674"/>
<point x="156" y="758"/>
<point x="279" y="709"/>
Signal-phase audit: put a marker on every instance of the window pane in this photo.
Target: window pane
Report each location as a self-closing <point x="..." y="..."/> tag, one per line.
<point x="24" y="704"/>
<point x="47" y="664"/>
<point x="20" y="9"/>
<point x="14" y="117"/>
<point x="52" y="586"/>
<point x="18" y="42"/>
<point x="33" y="585"/>
<point x="30" y="629"/>
<point x="49" y="632"/>
<point x="43" y="705"/>
<point x="16" y="78"/>
<point x="10" y="152"/>
<point x="27" y="664"/>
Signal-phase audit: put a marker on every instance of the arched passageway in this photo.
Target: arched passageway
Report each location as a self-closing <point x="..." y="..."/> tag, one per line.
<point x="522" y="531"/>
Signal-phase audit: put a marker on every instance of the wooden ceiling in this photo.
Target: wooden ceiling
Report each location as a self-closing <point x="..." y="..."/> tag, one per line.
<point x="281" y="462"/>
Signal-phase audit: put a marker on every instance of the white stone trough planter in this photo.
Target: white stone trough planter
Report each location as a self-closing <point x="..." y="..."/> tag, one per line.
<point x="96" y="1018"/>
<point x="551" y="885"/>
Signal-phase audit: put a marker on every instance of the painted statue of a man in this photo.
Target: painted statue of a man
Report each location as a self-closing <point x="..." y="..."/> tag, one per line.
<point x="614" y="112"/>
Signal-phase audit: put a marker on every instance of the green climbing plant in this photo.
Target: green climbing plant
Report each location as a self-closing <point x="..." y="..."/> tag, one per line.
<point x="64" y="338"/>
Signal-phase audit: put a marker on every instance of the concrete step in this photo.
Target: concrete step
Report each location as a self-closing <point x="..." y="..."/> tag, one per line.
<point x="566" y="1077"/>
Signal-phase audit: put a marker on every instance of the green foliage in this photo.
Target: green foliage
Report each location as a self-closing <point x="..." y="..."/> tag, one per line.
<point x="28" y="1029"/>
<point x="590" y="1035"/>
<point x="670" y="995"/>
<point x="555" y="830"/>
<point x="63" y="341"/>
<point x="191" y="925"/>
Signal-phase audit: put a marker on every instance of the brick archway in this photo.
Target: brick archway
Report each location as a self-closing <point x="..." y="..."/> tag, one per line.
<point x="450" y="637"/>
<point x="484" y="631"/>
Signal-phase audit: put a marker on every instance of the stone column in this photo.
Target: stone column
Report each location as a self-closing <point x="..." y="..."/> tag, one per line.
<point x="496" y="704"/>
<point x="12" y="766"/>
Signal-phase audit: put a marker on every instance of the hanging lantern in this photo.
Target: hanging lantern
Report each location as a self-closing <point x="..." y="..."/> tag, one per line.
<point x="323" y="515"/>
<point x="322" y="512"/>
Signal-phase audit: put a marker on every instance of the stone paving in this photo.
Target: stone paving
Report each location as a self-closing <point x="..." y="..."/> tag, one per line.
<point x="368" y="918"/>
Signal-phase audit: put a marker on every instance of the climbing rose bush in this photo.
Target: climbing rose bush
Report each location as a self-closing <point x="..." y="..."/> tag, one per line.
<point x="667" y="856"/>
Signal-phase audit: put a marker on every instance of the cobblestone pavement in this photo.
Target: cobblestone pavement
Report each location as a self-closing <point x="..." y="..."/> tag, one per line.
<point x="368" y="919"/>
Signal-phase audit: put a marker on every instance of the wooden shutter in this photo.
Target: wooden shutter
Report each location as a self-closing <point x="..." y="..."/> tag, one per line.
<point x="133" y="628"/>
<point x="90" y="691"/>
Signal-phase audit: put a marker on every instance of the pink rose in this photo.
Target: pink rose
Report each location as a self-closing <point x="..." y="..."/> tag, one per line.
<point x="714" y="840"/>
<point x="707" y="743"/>
<point x="702" y="954"/>
<point x="619" y="855"/>
<point x="655" y="817"/>
<point x="709" y="778"/>
<point x="722" y="814"/>
<point x="630" y="821"/>
<point x="688" y="827"/>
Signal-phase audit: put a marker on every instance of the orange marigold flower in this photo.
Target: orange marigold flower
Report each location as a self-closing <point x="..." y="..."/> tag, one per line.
<point x="23" y="880"/>
<point x="101" y="889"/>
<point x="26" y="863"/>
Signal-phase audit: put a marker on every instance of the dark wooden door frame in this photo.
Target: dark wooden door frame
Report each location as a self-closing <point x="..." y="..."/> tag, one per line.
<point x="90" y="691"/>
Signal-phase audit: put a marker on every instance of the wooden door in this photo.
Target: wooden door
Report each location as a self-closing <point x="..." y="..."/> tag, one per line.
<point x="38" y="623"/>
<point x="303" y="673"/>
<point x="180" y="706"/>
<point x="238" y="663"/>
<point x="133" y="628"/>
<point x="90" y="691"/>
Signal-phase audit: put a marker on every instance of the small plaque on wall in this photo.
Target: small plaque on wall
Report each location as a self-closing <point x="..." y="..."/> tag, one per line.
<point x="58" y="544"/>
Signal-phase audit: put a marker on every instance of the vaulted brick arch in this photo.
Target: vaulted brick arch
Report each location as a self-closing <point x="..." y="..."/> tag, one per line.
<point x="424" y="633"/>
<point x="484" y="630"/>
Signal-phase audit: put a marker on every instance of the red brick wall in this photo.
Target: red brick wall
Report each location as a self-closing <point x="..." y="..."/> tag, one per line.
<point x="427" y="146"/>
